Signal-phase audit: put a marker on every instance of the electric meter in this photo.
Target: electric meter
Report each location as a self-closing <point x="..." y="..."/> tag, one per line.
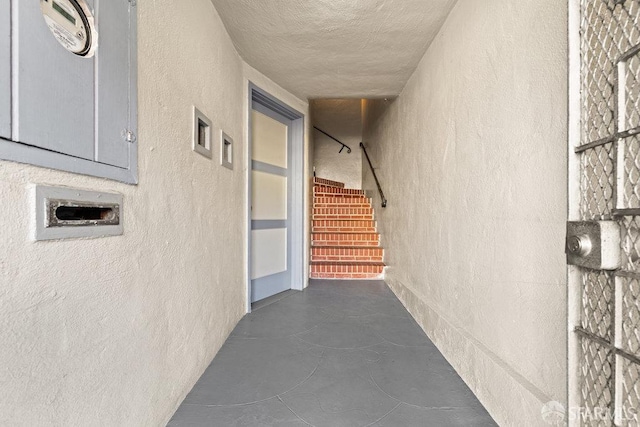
<point x="72" y="24"/>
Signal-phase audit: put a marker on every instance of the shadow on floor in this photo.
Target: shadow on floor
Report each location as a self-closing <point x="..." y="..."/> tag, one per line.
<point x="338" y="354"/>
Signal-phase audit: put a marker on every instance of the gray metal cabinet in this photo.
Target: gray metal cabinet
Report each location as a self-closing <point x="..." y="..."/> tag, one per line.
<point x="5" y="70"/>
<point x="71" y="112"/>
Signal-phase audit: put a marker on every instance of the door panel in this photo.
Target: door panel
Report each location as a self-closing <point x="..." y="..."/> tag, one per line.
<point x="605" y="374"/>
<point x="269" y="252"/>
<point x="52" y="86"/>
<point x="269" y="196"/>
<point x="270" y="193"/>
<point x="271" y="145"/>
<point x="5" y="70"/>
<point x="113" y="82"/>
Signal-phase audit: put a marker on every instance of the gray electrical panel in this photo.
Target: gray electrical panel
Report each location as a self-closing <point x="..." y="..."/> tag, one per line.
<point x="74" y="109"/>
<point x="5" y="70"/>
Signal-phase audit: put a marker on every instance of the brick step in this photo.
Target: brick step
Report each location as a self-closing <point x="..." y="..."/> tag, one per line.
<point x="346" y="254"/>
<point x="334" y="190"/>
<point x="342" y="200"/>
<point x="345" y="239"/>
<point x="353" y="270"/>
<point x="339" y="195"/>
<point x="348" y="226"/>
<point x="343" y="223"/>
<point x="327" y="182"/>
<point x="339" y="217"/>
<point x="365" y="205"/>
<point x="343" y="211"/>
<point x="325" y="230"/>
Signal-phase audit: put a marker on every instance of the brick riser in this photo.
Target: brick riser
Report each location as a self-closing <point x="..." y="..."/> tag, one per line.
<point x="345" y="242"/>
<point x="346" y="254"/>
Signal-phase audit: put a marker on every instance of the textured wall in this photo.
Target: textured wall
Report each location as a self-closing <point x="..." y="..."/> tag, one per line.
<point x="474" y="230"/>
<point x="115" y="331"/>
<point x="342" y="119"/>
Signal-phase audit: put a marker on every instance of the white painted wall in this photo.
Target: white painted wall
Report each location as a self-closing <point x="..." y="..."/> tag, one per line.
<point x="474" y="229"/>
<point x="116" y="331"/>
<point x="342" y="119"/>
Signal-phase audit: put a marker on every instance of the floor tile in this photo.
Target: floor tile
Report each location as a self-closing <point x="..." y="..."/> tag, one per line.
<point x="419" y="376"/>
<point x="403" y="331"/>
<point x="250" y="370"/>
<point x="340" y="393"/>
<point x="268" y="413"/>
<point x="412" y="416"/>
<point x="341" y="335"/>
<point x="283" y="318"/>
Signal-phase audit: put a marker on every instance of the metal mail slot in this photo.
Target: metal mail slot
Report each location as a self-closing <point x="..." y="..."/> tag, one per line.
<point x="71" y="213"/>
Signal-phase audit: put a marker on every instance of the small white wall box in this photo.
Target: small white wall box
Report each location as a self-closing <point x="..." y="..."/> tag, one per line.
<point x="201" y="134"/>
<point x="226" y="150"/>
<point x="65" y="213"/>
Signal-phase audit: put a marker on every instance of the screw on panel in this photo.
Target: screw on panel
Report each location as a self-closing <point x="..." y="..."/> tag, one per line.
<point x="129" y="136"/>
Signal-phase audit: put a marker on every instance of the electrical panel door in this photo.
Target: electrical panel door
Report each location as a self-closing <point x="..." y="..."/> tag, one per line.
<point x="5" y="70"/>
<point x="54" y="88"/>
<point x="115" y="63"/>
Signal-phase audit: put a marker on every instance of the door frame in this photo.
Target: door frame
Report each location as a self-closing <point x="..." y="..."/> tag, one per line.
<point x="574" y="282"/>
<point x="296" y="220"/>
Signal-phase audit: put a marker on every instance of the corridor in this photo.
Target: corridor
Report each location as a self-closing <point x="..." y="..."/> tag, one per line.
<point x="337" y="354"/>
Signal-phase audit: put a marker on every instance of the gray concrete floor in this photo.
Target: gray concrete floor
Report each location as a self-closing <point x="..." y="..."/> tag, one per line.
<point x="338" y="354"/>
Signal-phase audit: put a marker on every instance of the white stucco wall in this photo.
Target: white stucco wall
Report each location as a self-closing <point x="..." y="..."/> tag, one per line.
<point x="115" y="331"/>
<point x="342" y="119"/>
<point x="472" y="157"/>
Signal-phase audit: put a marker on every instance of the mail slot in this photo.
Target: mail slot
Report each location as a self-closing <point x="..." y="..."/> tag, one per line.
<point x="69" y="213"/>
<point x="66" y="213"/>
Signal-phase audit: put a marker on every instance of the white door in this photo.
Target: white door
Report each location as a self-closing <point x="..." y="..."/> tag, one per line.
<point x="270" y="203"/>
<point x="604" y="183"/>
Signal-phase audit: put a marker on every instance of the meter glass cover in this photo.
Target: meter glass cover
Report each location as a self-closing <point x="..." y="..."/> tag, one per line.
<point x="64" y="13"/>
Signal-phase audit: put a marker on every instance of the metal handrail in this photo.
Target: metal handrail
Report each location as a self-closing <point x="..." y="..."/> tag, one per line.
<point x="336" y="140"/>
<point x="384" y="199"/>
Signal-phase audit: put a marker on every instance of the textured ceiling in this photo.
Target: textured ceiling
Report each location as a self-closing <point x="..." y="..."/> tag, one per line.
<point x="334" y="48"/>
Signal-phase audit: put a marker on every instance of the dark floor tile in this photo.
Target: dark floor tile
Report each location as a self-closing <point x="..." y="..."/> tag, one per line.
<point x="268" y="413"/>
<point x="341" y="335"/>
<point x="377" y="288"/>
<point x="419" y="376"/>
<point x="336" y="304"/>
<point x="249" y="370"/>
<point x="412" y="416"/>
<point x="340" y="393"/>
<point x="282" y="318"/>
<point x="402" y="331"/>
<point x="270" y="300"/>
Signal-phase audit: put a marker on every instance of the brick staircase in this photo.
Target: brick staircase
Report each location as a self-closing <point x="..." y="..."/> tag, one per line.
<point x="344" y="240"/>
